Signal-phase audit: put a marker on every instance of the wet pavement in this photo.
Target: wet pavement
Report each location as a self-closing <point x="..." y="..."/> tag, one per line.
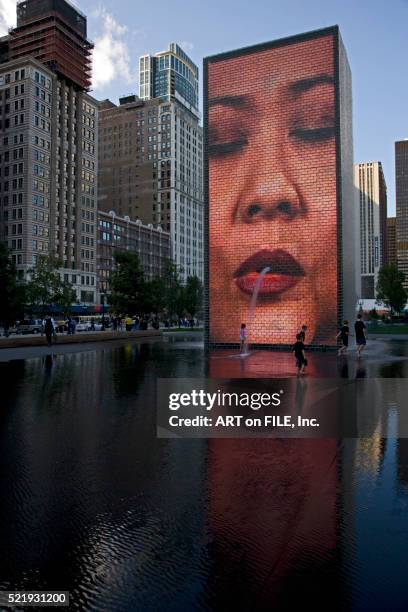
<point x="94" y="503"/>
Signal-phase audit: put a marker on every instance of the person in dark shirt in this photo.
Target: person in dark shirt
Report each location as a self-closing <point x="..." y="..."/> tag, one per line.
<point x="359" y="328"/>
<point x="299" y="351"/>
<point x="303" y="333"/>
<point x="344" y="337"/>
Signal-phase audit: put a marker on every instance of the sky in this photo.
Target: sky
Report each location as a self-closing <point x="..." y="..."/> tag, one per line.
<point x="374" y="33"/>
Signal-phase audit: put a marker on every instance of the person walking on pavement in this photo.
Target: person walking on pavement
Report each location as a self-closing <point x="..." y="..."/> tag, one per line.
<point x="359" y="328"/>
<point x="344" y="337"/>
<point x="303" y="333"/>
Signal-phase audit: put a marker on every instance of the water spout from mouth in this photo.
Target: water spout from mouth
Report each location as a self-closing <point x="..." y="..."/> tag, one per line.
<point x="254" y="297"/>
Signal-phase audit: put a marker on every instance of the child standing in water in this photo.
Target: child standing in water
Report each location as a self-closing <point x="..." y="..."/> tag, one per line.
<point x="242" y="337"/>
<point x="299" y="350"/>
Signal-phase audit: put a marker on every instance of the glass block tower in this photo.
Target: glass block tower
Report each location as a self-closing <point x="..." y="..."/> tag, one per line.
<point x="169" y="75"/>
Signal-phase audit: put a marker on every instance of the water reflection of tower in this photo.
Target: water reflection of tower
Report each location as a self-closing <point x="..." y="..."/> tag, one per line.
<point x="272" y="516"/>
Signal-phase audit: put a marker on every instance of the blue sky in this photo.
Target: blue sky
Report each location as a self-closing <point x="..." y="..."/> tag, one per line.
<point x="374" y="33"/>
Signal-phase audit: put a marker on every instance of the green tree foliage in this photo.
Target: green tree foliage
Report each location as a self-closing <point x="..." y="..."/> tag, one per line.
<point x="193" y="295"/>
<point x="390" y="289"/>
<point x="46" y="288"/>
<point x="65" y="296"/>
<point x="155" y="296"/>
<point x="12" y="292"/>
<point x="128" y="287"/>
<point x="132" y="294"/>
<point x="173" y="290"/>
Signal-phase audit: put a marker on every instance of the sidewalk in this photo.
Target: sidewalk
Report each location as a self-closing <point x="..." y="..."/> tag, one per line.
<point x="80" y="337"/>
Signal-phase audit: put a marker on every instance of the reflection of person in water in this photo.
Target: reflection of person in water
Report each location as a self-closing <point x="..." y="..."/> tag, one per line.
<point x="272" y="191"/>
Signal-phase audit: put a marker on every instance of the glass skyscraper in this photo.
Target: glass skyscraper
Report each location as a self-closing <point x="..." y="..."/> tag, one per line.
<point x="169" y="75"/>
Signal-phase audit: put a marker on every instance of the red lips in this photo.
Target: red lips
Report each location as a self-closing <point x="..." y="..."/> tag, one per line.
<point x="284" y="272"/>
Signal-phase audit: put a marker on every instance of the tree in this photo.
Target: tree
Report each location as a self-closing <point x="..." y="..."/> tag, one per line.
<point x="155" y="295"/>
<point x="46" y="288"/>
<point x="65" y="296"/>
<point x="128" y="287"/>
<point x="390" y="289"/>
<point x="12" y="292"/>
<point x="173" y="290"/>
<point x="193" y="295"/>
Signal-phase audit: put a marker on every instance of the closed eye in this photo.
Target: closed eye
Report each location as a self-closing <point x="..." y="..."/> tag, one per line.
<point x="224" y="148"/>
<point x="319" y="134"/>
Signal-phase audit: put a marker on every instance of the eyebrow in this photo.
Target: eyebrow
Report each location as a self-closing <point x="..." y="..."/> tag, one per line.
<point x="233" y="101"/>
<point x="302" y="85"/>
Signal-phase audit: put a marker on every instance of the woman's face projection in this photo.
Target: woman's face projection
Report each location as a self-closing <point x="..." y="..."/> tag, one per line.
<point x="272" y="193"/>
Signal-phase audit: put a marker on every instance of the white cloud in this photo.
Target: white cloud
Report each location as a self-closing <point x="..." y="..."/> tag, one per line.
<point x="111" y="58"/>
<point x="7" y="15"/>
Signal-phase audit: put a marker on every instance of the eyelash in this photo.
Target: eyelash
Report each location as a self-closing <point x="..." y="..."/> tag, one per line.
<point x="312" y="134"/>
<point x="223" y="148"/>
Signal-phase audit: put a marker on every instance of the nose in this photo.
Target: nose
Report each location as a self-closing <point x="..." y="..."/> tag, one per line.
<point x="269" y="198"/>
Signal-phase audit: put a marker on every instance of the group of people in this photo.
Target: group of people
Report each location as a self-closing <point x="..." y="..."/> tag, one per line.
<point x="299" y="346"/>
<point x="135" y="323"/>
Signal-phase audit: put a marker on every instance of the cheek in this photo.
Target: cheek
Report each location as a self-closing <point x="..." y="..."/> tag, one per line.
<point x="318" y="155"/>
<point x="224" y="189"/>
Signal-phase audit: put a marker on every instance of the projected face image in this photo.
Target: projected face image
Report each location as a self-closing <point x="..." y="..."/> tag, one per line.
<point x="272" y="194"/>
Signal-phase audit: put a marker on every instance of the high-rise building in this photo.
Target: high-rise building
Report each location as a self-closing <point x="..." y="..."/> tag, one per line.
<point x="48" y="133"/>
<point x="54" y="32"/>
<point x="151" y="160"/>
<point x="128" y="151"/>
<point x="121" y="234"/>
<point x="391" y="241"/>
<point x="169" y="75"/>
<point x="371" y="200"/>
<point x="401" y="189"/>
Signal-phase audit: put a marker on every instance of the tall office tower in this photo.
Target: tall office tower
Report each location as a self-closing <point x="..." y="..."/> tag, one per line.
<point x="48" y="133"/>
<point x="173" y="79"/>
<point x="391" y="241"/>
<point x="371" y="200"/>
<point x="401" y="187"/>
<point x="169" y="75"/>
<point x="128" y="150"/>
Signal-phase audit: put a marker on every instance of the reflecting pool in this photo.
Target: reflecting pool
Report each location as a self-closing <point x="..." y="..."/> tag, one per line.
<point x="93" y="503"/>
